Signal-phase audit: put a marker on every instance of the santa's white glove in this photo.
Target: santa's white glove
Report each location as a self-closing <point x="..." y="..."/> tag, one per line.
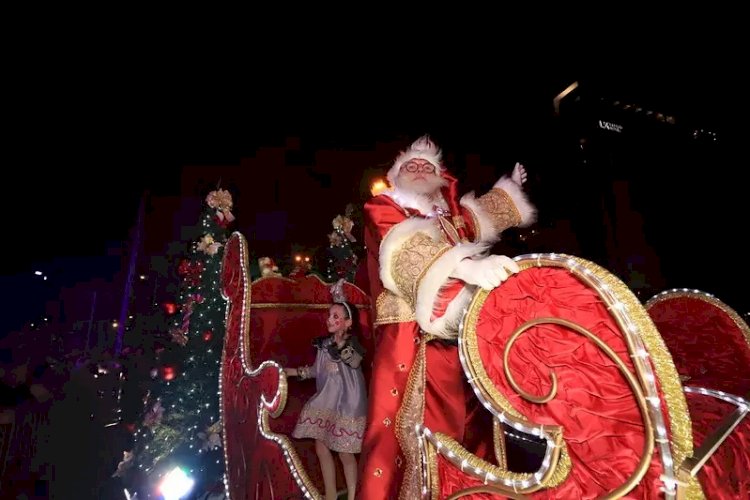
<point x="487" y="273"/>
<point x="519" y="174"/>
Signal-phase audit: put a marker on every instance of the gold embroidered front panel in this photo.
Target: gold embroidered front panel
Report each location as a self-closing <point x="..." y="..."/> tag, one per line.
<point x="412" y="261"/>
<point x="499" y="207"/>
<point x="475" y="225"/>
<point x="449" y="228"/>
<point x="390" y="308"/>
<point x="409" y="417"/>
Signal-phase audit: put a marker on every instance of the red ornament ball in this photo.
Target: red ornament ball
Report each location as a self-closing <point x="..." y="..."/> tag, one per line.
<point x="168" y="372"/>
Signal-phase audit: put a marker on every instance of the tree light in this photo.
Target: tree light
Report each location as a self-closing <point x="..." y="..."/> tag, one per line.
<point x="176" y="484"/>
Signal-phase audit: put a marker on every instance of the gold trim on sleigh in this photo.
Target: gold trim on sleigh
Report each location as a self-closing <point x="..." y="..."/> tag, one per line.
<point x="643" y="342"/>
<point x="689" y="468"/>
<point x="705" y="297"/>
<point x="290" y="305"/>
<point x="297" y="280"/>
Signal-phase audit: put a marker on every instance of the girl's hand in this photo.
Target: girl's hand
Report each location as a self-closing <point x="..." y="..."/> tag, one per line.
<point x="290" y="372"/>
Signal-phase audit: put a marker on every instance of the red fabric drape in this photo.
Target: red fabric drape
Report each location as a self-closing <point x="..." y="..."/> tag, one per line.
<point x="709" y="350"/>
<point x="602" y="425"/>
<point x="706" y="344"/>
<point x="726" y="475"/>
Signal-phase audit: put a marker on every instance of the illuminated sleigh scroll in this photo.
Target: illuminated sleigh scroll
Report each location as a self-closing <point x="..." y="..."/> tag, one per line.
<point x="270" y="325"/>
<point x="710" y="344"/>
<point x="563" y="351"/>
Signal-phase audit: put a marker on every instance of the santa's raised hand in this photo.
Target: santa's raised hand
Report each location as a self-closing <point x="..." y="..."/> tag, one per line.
<point x="519" y="174"/>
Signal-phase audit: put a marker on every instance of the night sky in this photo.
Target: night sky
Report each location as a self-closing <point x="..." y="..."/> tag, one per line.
<point x="89" y="151"/>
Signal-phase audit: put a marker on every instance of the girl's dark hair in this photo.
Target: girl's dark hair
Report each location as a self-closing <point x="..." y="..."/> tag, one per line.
<point x="354" y="316"/>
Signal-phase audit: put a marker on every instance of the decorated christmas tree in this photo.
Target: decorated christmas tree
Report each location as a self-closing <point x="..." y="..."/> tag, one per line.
<point x="180" y="432"/>
<point x="342" y="260"/>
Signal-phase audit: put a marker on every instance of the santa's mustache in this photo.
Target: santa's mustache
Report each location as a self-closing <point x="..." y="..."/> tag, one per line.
<point x="425" y="185"/>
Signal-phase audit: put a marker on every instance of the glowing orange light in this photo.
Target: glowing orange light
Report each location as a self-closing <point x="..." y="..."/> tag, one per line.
<point x="378" y="186"/>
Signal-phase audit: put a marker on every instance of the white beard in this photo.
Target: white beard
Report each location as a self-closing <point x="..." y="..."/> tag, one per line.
<point x="430" y="187"/>
<point x="420" y="195"/>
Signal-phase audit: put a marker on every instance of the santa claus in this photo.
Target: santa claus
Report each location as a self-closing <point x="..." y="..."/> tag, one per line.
<point x="427" y="253"/>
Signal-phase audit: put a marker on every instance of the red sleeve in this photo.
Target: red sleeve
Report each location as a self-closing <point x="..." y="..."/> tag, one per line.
<point x="381" y="214"/>
<point x="470" y="222"/>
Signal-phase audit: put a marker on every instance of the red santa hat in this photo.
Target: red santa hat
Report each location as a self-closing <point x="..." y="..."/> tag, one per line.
<point x="422" y="148"/>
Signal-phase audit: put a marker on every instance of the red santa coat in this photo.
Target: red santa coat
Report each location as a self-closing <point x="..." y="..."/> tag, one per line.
<point x="417" y="378"/>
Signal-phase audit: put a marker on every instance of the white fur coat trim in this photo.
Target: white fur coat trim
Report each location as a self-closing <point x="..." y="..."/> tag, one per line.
<point x="429" y="290"/>
<point x="395" y="238"/>
<point x="409" y="199"/>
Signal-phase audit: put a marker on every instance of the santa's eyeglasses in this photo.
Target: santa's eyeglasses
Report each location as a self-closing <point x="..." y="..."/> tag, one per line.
<point x="426" y="167"/>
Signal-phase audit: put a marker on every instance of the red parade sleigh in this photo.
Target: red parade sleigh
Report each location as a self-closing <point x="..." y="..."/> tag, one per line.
<point x="583" y="384"/>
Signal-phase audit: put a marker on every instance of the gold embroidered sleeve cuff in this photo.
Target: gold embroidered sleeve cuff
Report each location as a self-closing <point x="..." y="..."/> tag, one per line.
<point x="413" y="259"/>
<point x="499" y="207"/>
<point x="504" y="206"/>
<point x="390" y="308"/>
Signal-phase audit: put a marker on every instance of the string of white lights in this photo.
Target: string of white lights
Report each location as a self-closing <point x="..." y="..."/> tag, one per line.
<point x="740" y="402"/>
<point x="640" y="358"/>
<point x="265" y="407"/>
